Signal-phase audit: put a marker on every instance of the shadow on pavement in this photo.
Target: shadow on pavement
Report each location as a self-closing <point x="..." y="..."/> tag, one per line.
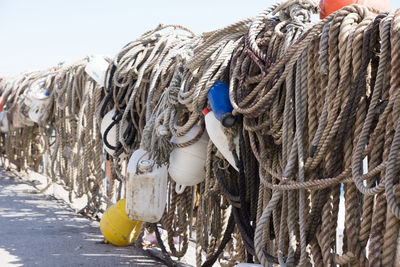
<point x="38" y="230"/>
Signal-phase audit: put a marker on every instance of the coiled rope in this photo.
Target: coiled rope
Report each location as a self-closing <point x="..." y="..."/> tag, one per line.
<point x="317" y="121"/>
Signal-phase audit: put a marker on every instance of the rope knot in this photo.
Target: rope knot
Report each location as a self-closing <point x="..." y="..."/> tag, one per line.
<point x="162" y="130"/>
<point x="295" y="14"/>
<point x="285" y="9"/>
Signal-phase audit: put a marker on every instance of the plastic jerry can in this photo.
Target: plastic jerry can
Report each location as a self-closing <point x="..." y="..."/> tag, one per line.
<point x="186" y="164"/>
<point x="96" y="68"/>
<point x="218" y="137"/>
<point x="37" y="99"/>
<point x="19" y="116"/>
<point x="218" y="96"/>
<point x="146" y="188"/>
<point x="108" y="130"/>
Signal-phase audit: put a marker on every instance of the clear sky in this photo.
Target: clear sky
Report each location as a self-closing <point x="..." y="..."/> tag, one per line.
<point x="36" y="34"/>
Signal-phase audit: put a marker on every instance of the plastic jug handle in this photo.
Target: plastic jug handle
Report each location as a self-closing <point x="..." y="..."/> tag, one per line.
<point x="179" y="188"/>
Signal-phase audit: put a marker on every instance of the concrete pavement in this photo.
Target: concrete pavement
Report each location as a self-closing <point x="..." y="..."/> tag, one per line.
<point x="39" y="230"/>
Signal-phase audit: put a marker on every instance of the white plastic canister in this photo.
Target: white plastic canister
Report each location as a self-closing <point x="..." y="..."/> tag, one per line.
<point x="186" y="164"/>
<point x="112" y="133"/>
<point x="4" y="124"/>
<point x="219" y="138"/>
<point x="146" y="188"/>
<point x="37" y="99"/>
<point x="96" y="68"/>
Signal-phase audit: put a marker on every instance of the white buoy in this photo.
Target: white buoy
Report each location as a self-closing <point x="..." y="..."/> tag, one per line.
<point x="111" y="135"/>
<point x="37" y="100"/>
<point x="186" y="164"/>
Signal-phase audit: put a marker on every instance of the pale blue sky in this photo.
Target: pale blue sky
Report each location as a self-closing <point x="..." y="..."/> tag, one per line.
<point x="36" y="34"/>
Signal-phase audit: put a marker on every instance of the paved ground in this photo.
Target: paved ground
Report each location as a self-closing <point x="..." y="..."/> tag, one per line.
<point x="38" y="230"/>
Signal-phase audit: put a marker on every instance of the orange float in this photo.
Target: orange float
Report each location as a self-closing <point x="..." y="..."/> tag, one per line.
<point x="330" y="6"/>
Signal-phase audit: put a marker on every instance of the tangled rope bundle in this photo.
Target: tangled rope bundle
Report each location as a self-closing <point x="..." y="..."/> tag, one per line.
<point x="317" y="122"/>
<point x="76" y="156"/>
<point x="23" y="147"/>
<point x="313" y="113"/>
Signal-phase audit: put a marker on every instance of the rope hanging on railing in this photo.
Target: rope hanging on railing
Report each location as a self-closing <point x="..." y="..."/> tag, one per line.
<point x="316" y="118"/>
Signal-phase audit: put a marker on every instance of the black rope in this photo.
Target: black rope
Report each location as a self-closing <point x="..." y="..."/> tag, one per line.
<point x="116" y="119"/>
<point x="242" y="191"/>
<point x="167" y="257"/>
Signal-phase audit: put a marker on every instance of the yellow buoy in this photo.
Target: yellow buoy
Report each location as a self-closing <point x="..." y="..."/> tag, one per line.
<point x="117" y="228"/>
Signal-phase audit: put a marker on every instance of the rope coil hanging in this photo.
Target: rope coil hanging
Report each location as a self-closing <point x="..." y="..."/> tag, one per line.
<point x="317" y="120"/>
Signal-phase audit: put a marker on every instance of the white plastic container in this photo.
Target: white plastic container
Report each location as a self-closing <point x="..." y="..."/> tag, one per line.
<point x="216" y="133"/>
<point x="4" y="124"/>
<point x="38" y="99"/>
<point x="96" y="68"/>
<point x="186" y="165"/>
<point x="112" y="133"/>
<point x="146" y="188"/>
